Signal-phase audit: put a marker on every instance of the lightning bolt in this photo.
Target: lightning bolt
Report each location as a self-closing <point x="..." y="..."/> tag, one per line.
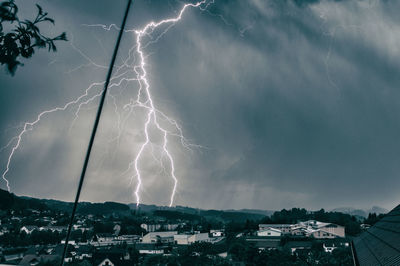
<point x="133" y="69"/>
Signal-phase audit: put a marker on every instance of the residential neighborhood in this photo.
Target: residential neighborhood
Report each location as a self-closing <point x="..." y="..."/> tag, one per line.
<point x="33" y="233"/>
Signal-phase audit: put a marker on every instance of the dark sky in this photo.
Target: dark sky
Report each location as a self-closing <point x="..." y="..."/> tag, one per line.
<point x="294" y="104"/>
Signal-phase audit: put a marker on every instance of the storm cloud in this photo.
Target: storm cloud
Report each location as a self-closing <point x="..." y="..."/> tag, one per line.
<point x="295" y="104"/>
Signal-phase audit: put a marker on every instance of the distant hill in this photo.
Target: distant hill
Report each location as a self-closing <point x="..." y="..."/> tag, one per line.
<point x="188" y="213"/>
<point x="9" y="201"/>
<point x="360" y="212"/>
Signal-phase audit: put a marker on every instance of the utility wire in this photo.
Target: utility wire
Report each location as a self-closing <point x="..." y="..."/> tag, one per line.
<point x="93" y="135"/>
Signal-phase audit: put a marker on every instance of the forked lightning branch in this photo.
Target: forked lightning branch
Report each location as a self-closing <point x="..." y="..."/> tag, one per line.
<point x="142" y="100"/>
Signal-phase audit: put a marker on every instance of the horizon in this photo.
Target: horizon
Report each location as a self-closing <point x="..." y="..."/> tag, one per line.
<point x="228" y="209"/>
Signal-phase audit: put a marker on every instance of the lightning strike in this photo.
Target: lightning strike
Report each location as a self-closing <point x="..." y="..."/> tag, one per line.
<point x="128" y="71"/>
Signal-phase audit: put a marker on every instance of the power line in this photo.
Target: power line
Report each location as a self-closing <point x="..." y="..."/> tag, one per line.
<point x="93" y="135"/>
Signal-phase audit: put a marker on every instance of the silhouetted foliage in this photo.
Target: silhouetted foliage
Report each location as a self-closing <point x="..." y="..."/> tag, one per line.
<point x="24" y="37"/>
<point x="373" y="218"/>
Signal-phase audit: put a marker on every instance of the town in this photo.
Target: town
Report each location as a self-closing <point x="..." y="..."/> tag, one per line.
<point x="32" y="232"/>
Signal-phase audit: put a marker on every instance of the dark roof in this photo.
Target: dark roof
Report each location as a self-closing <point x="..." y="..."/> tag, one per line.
<point x="28" y="259"/>
<point x="380" y="244"/>
<point x="116" y="256"/>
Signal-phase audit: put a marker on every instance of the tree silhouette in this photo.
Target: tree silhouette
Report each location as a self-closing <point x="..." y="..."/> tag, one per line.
<point x="24" y="36"/>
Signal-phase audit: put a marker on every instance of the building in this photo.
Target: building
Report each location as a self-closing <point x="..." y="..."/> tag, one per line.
<point x="322" y="234"/>
<point x="53" y="228"/>
<point x="150" y="248"/>
<point x="269" y="232"/>
<point x="28" y="229"/>
<point x="332" y="229"/>
<point x="380" y="244"/>
<point x="284" y="228"/>
<point x="217" y="233"/>
<point x="113" y="256"/>
<point x="29" y="260"/>
<point x="309" y="228"/>
<point x="188" y="239"/>
<point x="329" y="247"/>
<point x="159" y="237"/>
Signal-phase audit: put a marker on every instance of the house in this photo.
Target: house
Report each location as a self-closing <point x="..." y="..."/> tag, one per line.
<point x="217" y="233"/>
<point x="284" y="228"/>
<point x="128" y="239"/>
<point x="106" y="262"/>
<point x="150" y="248"/>
<point x="329" y="247"/>
<point x="310" y="228"/>
<point x="114" y="257"/>
<point x="269" y="232"/>
<point x="334" y="230"/>
<point x="322" y="234"/>
<point x="30" y="260"/>
<point x="105" y="237"/>
<point x="159" y="237"/>
<point x="53" y="228"/>
<point x="28" y="229"/>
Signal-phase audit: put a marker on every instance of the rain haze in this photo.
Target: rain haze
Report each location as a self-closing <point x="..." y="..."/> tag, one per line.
<point x="284" y="104"/>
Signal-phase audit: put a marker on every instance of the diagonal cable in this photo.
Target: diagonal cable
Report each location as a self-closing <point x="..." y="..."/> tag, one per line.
<point x="93" y="135"/>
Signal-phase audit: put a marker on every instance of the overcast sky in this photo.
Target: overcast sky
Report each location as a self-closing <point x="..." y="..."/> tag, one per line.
<point x="294" y="104"/>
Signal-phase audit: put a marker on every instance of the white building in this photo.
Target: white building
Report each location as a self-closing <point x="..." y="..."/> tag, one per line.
<point x="188" y="239"/>
<point x="308" y="228"/>
<point x="159" y="237"/>
<point x="269" y="232"/>
<point x="329" y="248"/>
<point x="148" y="248"/>
<point x="217" y="233"/>
<point x="53" y="228"/>
<point x="284" y="228"/>
<point x="323" y="230"/>
<point x="28" y="229"/>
